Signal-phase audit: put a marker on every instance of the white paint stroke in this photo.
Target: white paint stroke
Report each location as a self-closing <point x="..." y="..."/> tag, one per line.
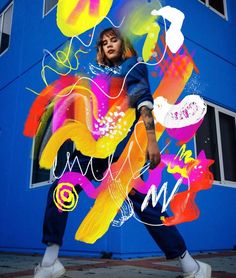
<point x="174" y="36"/>
<point x="189" y="111"/>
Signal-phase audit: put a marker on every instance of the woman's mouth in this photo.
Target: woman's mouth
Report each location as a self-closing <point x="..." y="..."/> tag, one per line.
<point x="110" y="51"/>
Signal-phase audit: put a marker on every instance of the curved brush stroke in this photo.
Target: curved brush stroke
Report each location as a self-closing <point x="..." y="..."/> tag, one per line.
<point x="184" y="134"/>
<point x="78" y="179"/>
<point x="42" y="100"/>
<point x="84" y="141"/>
<point x="174" y="36"/>
<point x="189" y="111"/>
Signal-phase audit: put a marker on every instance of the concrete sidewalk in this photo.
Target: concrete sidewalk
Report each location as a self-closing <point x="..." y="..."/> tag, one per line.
<point x="15" y="265"/>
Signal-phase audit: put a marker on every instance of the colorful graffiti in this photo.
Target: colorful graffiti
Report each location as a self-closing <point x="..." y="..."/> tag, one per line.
<point x="94" y="113"/>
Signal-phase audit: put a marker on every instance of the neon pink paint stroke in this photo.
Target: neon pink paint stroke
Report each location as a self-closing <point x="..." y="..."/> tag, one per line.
<point x="102" y="100"/>
<point x="184" y="134"/>
<point x="78" y="179"/>
<point x="154" y="178"/>
<point x="94" y="6"/>
<point x="59" y="114"/>
<point x="93" y="9"/>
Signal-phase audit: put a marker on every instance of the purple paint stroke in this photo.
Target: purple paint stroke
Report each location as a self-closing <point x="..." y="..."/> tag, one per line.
<point x="59" y="114"/>
<point x="93" y="9"/>
<point x="154" y="177"/>
<point x="102" y="101"/>
<point x="184" y="134"/>
<point x="78" y="179"/>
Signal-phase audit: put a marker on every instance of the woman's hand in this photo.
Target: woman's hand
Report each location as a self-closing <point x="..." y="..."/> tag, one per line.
<point x="153" y="154"/>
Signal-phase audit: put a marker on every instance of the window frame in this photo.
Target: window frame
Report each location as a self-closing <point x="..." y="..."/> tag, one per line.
<point x="52" y="172"/>
<point x="44" y="5"/>
<point x="42" y="183"/>
<point x="225" y="15"/>
<point x="2" y="13"/>
<point x="217" y="109"/>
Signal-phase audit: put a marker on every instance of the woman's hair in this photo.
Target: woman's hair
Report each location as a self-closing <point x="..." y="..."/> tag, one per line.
<point x="127" y="50"/>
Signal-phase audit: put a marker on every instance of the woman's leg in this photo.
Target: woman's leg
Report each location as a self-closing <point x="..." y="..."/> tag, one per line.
<point x="167" y="237"/>
<point x="54" y="220"/>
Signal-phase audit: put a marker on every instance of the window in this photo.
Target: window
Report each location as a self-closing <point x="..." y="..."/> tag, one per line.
<point x="5" y="28"/>
<point x="39" y="176"/>
<point x="218" y="6"/>
<point x="49" y="5"/>
<point x="217" y="137"/>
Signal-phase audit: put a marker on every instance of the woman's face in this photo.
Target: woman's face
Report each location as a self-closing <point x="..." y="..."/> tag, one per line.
<point x="111" y="46"/>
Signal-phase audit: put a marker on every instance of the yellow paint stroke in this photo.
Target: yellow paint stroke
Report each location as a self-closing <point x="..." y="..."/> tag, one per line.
<point x="84" y="141"/>
<point x="186" y="156"/>
<point x="63" y="59"/>
<point x="83" y="20"/>
<point x="147" y="26"/>
<point x="99" y="218"/>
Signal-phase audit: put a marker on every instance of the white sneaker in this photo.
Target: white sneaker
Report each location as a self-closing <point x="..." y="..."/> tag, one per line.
<point x="54" y="271"/>
<point x="204" y="271"/>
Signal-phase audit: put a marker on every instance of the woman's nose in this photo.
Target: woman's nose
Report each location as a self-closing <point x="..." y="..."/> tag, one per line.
<point x="109" y="44"/>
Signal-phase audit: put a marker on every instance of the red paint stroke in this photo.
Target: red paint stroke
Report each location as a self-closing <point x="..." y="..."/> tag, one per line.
<point x="183" y="204"/>
<point x="41" y="102"/>
<point x="180" y="64"/>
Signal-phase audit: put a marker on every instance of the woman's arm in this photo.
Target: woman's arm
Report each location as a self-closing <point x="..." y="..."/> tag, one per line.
<point x="153" y="153"/>
<point x="140" y="97"/>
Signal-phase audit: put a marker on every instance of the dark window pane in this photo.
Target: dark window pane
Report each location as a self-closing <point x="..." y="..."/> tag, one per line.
<point x="41" y="139"/>
<point x="67" y="147"/>
<point x="228" y="141"/>
<point x="6" y="29"/>
<point x="0" y="23"/>
<point x="217" y="5"/>
<point x="49" y="4"/>
<point x="206" y="140"/>
<point x="39" y="175"/>
<point x="0" y="30"/>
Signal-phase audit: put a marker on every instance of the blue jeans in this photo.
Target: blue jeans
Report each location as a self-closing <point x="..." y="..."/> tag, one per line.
<point x="167" y="237"/>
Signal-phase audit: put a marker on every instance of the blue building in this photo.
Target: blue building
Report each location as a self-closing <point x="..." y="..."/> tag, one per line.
<point x="26" y="30"/>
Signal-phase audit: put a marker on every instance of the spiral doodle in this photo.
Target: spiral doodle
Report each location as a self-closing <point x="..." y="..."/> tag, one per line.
<point x="65" y="196"/>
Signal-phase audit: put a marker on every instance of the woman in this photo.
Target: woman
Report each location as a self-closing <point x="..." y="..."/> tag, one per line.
<point x="115" y="52"/>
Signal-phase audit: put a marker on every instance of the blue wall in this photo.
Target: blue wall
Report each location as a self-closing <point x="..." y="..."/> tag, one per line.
<point x="21" y="209"/>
